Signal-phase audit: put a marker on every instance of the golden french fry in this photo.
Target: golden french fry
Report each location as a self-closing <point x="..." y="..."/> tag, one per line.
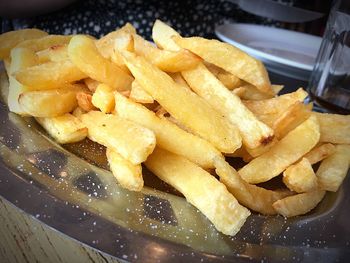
<point x="298" y="204"/>
<point x="103" y="98"/>
<point x="50" y="75"/>
<point x="91" y="84"/>
<point x="138" y="94"/>
<point x="54" y="53"/>
<point x="84" y="54"/>
<point x="78" y="112"/>
<point x="50" y="103"/>
<point x="226" y="56"/>
<point x="320" y="152"/>
<point x="177" y="77"/>
<point x="169" y="136"/>
<point x="65" y="128"/>
<point x="45" y="42"/>
<point x="334" y="127"/>
<point x="254" y="133"/>
<point x="300" y="177"/>
<point x="127" y="174"/>
<point x="334" y="168"/>
<point x="251" y="196"/>
<point x="132" y="141"/>
<point x="229" y="80"/>
<point x="249" y="92"/>
<point x="84" y="101"/>
<point x="20" y="59"/>
<point x="180" y="101"/>
<point x="285" y="152"/>
<point x="162" y="36"/>
<point x="201" y="189"/>
<point x="291" y="118"/>
<point x="11" y="39"/>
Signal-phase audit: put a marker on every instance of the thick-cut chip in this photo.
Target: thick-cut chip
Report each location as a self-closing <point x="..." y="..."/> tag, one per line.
<point x="103" y="98"/>
<point x="298" y="204"/>
<point x="84" y="101"/>
<point x="50" y="103"/>
<point x="128" y="175"/>
<point x="230" y="58"/>
<point x="20" y="58"/>
<point x="300" y="177"/>
<point x="138" y="94"/>
<point x="50" y="75"/>
<point x="11" y="39"/>
<point x="177" y="77"/>
<point x="169" y="61"/>
<point x="162" y="36"/>
<point x="254" y="133"/>
<point x="201" y="189"/>
<point x="91" y="84"/>
<point x="334" y="127"/>
<point x="84" y="54"/>
<point x="249" y="92"/>
<point x="229" y="80"/>
<point x="191" y="110"/>
<point x="65" y="128"/>
<point x="78" y="112"/>
<point x="334" y="168"/>
<point x="54" y="53"/>
<point x="291" y="118"/>
<point x="169" y="136"/>
<point x="285" y="152"/>
<point x="45" y="42"/>
<point x="251" y="196"/>
<point x="320" y="152"/>
<point x="130" y="140"/>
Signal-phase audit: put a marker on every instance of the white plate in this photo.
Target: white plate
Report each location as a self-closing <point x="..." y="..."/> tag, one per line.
<point x="283" y="51"/>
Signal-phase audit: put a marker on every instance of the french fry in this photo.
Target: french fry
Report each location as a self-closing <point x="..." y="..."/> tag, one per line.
<point x="285" y="152"/>
<point x="320" y="152"/>
<point x="226" y="56"/>
<point x="54" y="53"/>
<point x="45" y="42"/>
<point x="177" y="77"/>
<point x="229" y="80"/>
<point x="200" y="189"/>
<point x="291" y="118"/>
<point x="334" y="127"/>
<point x="298" y="204"/>
<point x="64" y="129"/>
<point x="169" y="136"/>
<point x="138" y="94"/>
<point x="132" y="141"/>
<point x="91" y="84"/>
<point x="334" y="168"/>
<point x="84" y="101"/>
<point x="203" y="120"/>
<point x="11" y="39"/>
<point x="78" y="112"/>
<point x="103" y="98"/>
<point x="300" y="177"/>
<point x="84" y="54"/>
<point x="251" y="196"/>
<point x="50" y="75"/>
<point x="20" y="59"/>
<point x="50" y="103"/>
<point x="249" y="92"/>
<point x="127" y="174"/>
<point x="254" y="133"/>
<point x="162" y="36"/>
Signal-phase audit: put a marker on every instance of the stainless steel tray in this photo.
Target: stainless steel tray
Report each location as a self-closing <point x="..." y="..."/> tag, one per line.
<point x="70" y="190"/>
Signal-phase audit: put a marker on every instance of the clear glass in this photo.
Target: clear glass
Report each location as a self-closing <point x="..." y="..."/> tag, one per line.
<point x="329" y="85"/>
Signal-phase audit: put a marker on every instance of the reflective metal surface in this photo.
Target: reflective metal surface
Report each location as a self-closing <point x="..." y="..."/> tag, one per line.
<point x="71" y="191"/>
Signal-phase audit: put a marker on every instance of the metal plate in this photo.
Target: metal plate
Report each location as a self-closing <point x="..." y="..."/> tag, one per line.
<point x="71" y="194"/>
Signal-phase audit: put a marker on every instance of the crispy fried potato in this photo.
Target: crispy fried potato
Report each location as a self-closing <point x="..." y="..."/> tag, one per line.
<point x="168" y="135"/>
<point x="229" y="80"/>
<point x="138" y="94"/>
<point x="320" y="152"/>
<point x="251" y="196"/>
<point x="285" y="152"/>
<point x="128" y="175"/>
<point x="226" y="56"/>
<point x="20" y="59"/>
<point x="64" y="129"/>
<point x="54" y="53"/>
<point x="249" y="92"/>
<point x="132" y="141"/>
<point x="78" y="112"/>
<point x="254" y="133"/>
<point x="91" y="84"/>
<point x="334" y="127"/>
<point x="84" y="54"/>
<point x="103" y="98"/>
<point x="50" y="103"/>
<point x="162" y="36"/>
<point x="45" y="42"/>
<point x="50" y="75"/>
<point x="334" y="168"/>
<point x="11" y="39"/>
<point x="300" y="177"/>
<point x="298" y="204"/>
<point x="177" y="77"/>
<point x="84" y="101"/>
<point x="200" y="189"/>
<point x="291" y="118"/>
<point x="184" y="105"/>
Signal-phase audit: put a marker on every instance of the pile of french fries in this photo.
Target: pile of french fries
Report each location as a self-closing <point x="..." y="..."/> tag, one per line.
<point x="180" y="107"/>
